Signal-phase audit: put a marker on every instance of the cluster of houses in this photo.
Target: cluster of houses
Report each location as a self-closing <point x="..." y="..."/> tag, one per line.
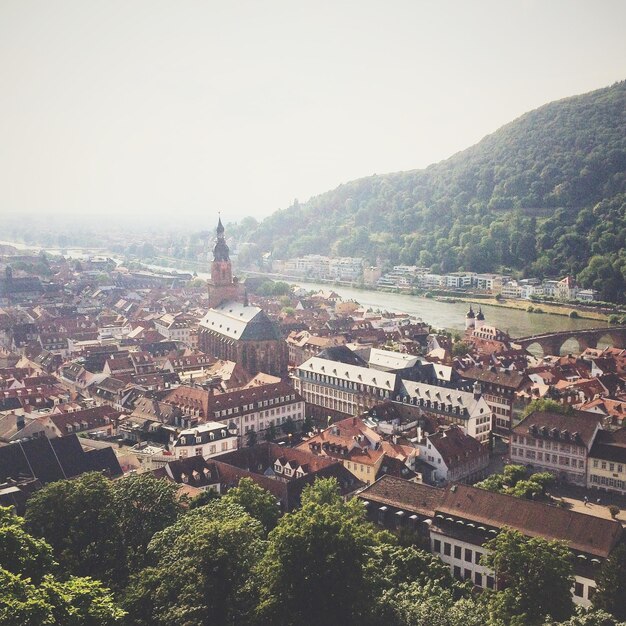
<point x="409" y="277"/>
<point x="204" y="386"/>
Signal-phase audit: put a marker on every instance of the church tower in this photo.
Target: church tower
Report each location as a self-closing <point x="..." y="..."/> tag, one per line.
<point x="222" y="285"/>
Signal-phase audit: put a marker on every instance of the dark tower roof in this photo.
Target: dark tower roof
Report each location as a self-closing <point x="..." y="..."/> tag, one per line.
<point x="221" y="251"/>
<point x="470" y="313"/>
<point x="480" y="315"/>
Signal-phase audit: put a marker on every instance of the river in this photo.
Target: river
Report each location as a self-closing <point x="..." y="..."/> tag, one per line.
<point x="451" y="316"/>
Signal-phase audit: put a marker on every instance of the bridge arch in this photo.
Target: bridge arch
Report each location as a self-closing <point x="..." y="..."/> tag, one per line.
<point x="575" y="340"/>
<point x="605" y="340"/>
<point x="536" y="349"/>
<point x="574" y="345"/>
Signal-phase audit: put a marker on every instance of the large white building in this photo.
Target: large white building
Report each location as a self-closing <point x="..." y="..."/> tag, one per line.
<point x="466" y="408"/>
<point x="348" y="389"/>
<point x="458" y="521"/>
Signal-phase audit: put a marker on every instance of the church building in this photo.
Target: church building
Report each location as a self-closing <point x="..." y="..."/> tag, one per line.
<point x="232" y="329"/>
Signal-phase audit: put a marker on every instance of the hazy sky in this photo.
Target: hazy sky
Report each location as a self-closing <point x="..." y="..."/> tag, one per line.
<point x="174" y="110"/>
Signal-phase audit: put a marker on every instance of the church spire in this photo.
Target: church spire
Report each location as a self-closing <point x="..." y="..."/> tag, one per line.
<point x="221" y="251"/>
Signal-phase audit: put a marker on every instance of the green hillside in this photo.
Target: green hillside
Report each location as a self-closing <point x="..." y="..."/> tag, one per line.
<point x="544" y="195"/>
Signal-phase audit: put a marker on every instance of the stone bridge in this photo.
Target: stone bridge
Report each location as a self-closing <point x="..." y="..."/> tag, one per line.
<point x="551" y="343"/>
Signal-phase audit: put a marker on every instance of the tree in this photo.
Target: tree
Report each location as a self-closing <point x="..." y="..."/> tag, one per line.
<point x="270" y="433"/>
<point x="314" y="570"/>
<point x="33" y="596"/>
<point x="289" y="427"/>
<point x="461" y="348"/>
<point x="256" y="501"/>
<point x="588" y="617"/>
<point x="408" y="572"/>
<point x="75" y="602"/>
<point x="21" y="553"/>
<point x="544" y="404"/>
<point x="534" y="578"/>
<point x="203" y="498"/>
<point x="78" y="519"/>
<point x="307" y="424"/>
<point x="143" y="505"/>
<point x="611" y="584"/>
<point x="432" y="604"/>
<point x="251" y="438"/>
<point x="200" y="570"/>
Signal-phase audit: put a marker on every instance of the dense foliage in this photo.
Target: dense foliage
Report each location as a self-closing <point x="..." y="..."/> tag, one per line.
<point x="535" y="577"/>
<point x="34" y="593"/>
<point x="230" y="560"/>
<point x="544" y="195"/>
<point x="611" y="593"/>
<point x="516" y="481"/>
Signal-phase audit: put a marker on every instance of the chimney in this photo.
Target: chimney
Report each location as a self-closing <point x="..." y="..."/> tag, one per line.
<point x="20" y="422"/>
<point x="477" y="390"/>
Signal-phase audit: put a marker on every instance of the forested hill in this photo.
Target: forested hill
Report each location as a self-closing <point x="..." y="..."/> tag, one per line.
<point x="545" y="195"/>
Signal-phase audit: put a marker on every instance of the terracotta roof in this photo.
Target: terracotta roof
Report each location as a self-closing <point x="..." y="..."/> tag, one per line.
<point x="585" y="424"/>
<point x="403" y="494"/>
<point x="97" y="416"/>
<point x="190" y="398"/>
<point x="455" y="447"/>
<point x="504" y="378"/>
<point x="587" y="533"/>
<point x="253" y="395"/>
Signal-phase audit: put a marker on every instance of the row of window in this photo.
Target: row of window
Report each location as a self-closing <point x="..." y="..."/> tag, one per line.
<point x="279" y="421"/>
<point x="540" y="443"/>
<point x="610" y="466"/>
<point x="554" y="459"/>
<point x="468" y="555"/>
<point x="250" y="407"/>
<point x="356" y="466"/>
<point x="607" y="482"/>
<point x="330" y="380"/>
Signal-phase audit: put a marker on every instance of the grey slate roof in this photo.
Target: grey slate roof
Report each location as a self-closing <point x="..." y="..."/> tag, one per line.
<point x="244" y="323"/>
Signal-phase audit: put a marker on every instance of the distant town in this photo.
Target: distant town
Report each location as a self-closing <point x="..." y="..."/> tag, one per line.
<point x="410" y="277"/>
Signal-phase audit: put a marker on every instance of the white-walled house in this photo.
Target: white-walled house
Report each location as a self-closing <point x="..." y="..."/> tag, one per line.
<point x="205" y="440"/>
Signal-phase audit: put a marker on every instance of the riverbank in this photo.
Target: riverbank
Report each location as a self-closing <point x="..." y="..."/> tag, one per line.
<point x="546" y="308"/>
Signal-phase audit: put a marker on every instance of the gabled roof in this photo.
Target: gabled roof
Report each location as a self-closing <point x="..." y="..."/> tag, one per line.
<point x="97" y="416"/>
<point x="586" y="533"/>
<point x="209" y="431"/>
<point x="610" y="446"/>
<point x="350" y="373"/>
<point x="455" y="447"/>
<point x="54" y="459"/>
<point x="400" y="493"/>
<point x="236" y="321"/>
<point x="583" y="424"/>
<point x="503" y="378"/>
<point x="390" y="360"/>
